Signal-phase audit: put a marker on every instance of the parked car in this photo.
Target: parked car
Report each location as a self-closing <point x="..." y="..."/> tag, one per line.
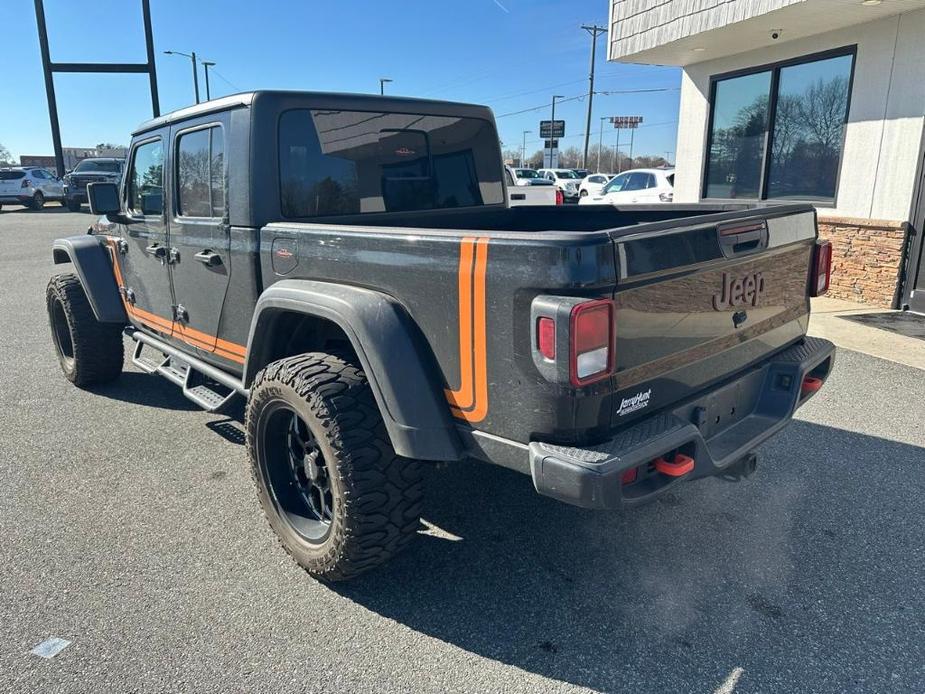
<point x="642" y="186"/>
<point x="536" y="191"/>
<point x="31" y="186"/>
<point x="369" y="292"/>
<point x="582" y="173"/>
<point x="94" y="170"/>
<point x="593" y="183"/>
<point x="528" y="177"/>
<point x="566" y="179"/>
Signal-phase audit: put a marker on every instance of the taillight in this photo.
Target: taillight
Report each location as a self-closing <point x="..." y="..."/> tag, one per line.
<point x="822" y="269"/>
<point x="560" y="197"/>
<point x="26" y="183"/>
<point x="591" y="342"/>
<point x="546" y="337"/>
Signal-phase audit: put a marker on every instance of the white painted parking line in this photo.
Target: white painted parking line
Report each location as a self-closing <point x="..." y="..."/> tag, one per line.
<point x="728" y="686"/>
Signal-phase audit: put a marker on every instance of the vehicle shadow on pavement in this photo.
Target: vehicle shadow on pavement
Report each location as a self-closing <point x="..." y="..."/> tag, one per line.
<point x="51" y="207"/>
<point x="787" y="575"/>
<point x="145" y="389"/>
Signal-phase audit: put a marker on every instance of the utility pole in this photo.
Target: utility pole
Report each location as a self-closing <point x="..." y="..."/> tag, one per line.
<point x="192" y="57"/>
<point x="552" y="130"/>
<point x="600" y="144"/>
<point x="206" y="64"/>
<point x="382" y="81"/>
<point x="523" y="149"/>
<point x="632" y="137"/>
<point x="594" y="30"/>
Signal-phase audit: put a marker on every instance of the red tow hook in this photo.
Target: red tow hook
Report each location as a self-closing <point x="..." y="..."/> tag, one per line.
<point x="810" y="385"/>
<point x="679" y="467"/>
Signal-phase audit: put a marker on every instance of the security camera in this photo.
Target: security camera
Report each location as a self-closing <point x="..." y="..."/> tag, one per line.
<point x="775" y="34"/>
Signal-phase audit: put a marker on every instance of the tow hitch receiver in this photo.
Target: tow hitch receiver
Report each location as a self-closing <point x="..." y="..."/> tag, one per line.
<point x="680" y="466"/>
<point x="810" y="385"/>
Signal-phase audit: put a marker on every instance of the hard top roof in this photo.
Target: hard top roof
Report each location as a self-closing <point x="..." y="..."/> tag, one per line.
<point x="359" y="102"/>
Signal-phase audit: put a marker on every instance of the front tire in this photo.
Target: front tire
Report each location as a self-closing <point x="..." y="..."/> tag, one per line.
<point x="89" y="352"/>
<point x="334" y="491"/>
<point x="38" y="201"/>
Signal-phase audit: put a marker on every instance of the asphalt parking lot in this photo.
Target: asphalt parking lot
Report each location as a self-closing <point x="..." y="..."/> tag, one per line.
<point x="130" y="527"/>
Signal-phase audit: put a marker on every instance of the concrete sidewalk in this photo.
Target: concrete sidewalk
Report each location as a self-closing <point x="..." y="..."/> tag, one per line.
<point x="827" y="321"/>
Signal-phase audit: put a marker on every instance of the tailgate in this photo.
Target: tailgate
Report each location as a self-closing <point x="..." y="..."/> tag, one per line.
<point x="11" y="182"/>
<point x="697" y="303"/>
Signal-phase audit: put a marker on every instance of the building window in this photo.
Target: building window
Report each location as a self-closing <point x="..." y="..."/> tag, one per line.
<point x="777" y="132"/>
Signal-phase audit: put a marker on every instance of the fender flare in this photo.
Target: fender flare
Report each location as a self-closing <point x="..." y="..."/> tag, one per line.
<point x="94" y="268"/>
<point x="395" y="356"/>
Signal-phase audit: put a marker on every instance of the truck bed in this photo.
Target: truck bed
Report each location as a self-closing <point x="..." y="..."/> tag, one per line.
<point x="661" y="265"/>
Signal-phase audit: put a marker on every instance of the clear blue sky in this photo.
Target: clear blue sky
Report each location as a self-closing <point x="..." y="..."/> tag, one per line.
<point x="509" y="54"/>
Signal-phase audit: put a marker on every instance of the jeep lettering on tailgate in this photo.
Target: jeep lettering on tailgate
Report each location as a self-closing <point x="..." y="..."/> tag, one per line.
<point x="739" y="292"/>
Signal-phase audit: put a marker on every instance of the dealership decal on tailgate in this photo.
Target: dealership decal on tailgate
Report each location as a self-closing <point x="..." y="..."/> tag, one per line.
<point x="637" y="402"/>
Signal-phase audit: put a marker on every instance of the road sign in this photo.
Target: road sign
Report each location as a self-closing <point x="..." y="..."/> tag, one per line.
<point x="550" y="129"/>
<point x="554" y="144"/>
<point x="622" y="122"/>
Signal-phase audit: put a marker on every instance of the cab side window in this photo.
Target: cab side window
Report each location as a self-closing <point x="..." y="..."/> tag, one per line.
<point x="201" y="173"/>
<point x="146" y="179"/>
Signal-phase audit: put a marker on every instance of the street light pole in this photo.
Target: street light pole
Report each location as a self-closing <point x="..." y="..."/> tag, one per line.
<point x="382" y="81"/>
<point x="192" y="57"/>
<point x="600" y="144"/>
<point x="206" y="64"/>
<point x="552" y="129"/>
<point x="594" y="30"/>
<point x="523" y="149"/>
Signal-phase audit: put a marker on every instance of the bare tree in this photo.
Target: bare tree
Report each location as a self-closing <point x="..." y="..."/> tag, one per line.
<point x="6" y="159"/>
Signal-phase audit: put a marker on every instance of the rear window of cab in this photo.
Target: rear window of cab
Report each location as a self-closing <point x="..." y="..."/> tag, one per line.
<point x="349" y="162"/>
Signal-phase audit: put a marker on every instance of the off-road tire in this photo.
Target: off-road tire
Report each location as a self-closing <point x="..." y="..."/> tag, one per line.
<point x="377" y="495"/>
<point x="38" y="201"/>
<point x="89" y="352"/>
<point x="72" y="205"/>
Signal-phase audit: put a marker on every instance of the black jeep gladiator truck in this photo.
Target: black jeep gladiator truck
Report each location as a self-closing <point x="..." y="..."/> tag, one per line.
<point x="349" y="265"/>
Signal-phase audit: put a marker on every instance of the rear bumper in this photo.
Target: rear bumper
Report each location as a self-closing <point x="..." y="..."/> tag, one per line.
<point x="716" y="428"/>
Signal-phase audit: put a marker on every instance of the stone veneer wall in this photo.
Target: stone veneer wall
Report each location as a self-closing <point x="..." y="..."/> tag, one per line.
<point x="866" y="254"/>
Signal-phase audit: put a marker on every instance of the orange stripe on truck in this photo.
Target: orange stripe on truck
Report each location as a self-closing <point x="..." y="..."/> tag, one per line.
<point x="470" y="401"/>
<point x="210" y="343"/>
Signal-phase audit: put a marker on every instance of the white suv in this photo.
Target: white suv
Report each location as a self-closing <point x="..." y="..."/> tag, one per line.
<point x="640" y="186"/>
<point x="565" y="179"/>
<point x="31" y="186"/>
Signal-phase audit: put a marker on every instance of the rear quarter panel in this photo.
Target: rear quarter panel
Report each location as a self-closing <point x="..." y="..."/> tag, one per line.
<point x="470" y="297"/>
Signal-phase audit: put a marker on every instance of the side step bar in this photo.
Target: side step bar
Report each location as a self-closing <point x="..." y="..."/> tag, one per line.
<point x="186" y="371"/>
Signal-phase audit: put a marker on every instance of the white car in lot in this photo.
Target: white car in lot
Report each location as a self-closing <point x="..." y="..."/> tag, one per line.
<point x="566" y="180"/>
<point x="533" y="191"/>
<point x="636" y="186"/>
<point x="31" y="186"/>
<point x="593" y="183"/>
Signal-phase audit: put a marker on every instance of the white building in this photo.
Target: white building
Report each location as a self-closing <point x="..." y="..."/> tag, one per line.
<point x="819" y="100"/>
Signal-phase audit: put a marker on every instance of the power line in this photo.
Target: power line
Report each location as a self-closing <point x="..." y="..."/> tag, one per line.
<point x="582" y="96"/>
<point x="226" y="80"/>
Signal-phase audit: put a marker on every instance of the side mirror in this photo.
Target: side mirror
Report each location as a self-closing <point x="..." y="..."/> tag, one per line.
<point x="103" y="198"/>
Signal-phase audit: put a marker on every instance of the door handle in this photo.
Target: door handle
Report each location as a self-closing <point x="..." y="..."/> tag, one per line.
<point x="156" y="250"/>
<point x="208" y="258"/>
